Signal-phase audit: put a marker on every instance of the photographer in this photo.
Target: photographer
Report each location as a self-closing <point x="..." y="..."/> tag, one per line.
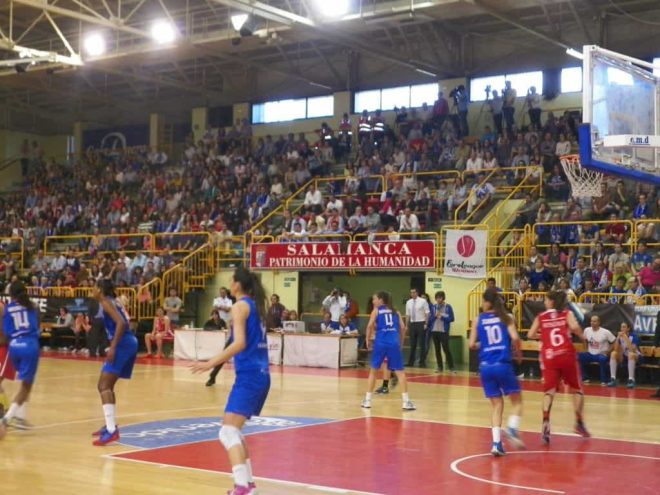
<point x="335" y="304"/>
<point x="495" y="105"/>
<point x="508" y="109"/>
<point x="533" y="101"/>
<point x="461" y="102"/>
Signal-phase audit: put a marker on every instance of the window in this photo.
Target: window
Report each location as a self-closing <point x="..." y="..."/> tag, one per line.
<point x="322" y="106"/>
<point x="478" y="87"/>
<point x="617" y="76"/>
<point x="656" y="70"/>
<point x="285" y="110"/>
<point x="523" y="81"/>
<point x="367" y="100"/>
<point x="423" y="93"/>
<point x="571" y="79"/>
<point x="395" y="97"/>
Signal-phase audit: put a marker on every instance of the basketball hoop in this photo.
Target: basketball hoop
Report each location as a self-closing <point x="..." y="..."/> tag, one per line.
<point x="585" y="183"/>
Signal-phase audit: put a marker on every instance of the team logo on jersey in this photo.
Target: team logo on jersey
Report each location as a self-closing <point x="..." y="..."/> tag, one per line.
<point x="168" y="433"/>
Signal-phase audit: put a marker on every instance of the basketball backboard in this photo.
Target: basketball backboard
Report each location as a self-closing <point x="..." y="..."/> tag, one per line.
<point x="621" y="102"/>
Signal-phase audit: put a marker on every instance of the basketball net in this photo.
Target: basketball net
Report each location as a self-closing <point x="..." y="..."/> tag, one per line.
<point x="585" y="183"/>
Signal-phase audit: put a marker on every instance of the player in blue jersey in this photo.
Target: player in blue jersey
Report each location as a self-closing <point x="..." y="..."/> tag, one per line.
<point x="249" y="348"/>
<point x="496" y="332"/>
<point x="386" y="324"/>
<point x="20" y="327"/>
<point x="119" y="360"/>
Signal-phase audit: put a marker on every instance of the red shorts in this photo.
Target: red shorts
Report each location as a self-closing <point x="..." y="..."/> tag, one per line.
<point x="563" y="367"/>
<point x="6" y="367"/>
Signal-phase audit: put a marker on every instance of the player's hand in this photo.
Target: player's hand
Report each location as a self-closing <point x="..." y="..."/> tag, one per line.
<point x="197" y="368"/>
<point x="110" y="356"/>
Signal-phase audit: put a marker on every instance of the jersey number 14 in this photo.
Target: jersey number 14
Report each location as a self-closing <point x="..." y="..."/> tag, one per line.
<point x="20" y="319"/>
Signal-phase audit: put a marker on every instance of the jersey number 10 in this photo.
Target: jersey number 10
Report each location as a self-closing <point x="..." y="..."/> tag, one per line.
<point x="493" y="334"/>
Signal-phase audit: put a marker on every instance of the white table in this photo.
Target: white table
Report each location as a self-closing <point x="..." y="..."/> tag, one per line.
<point x="195" y="344"/>
<point x="275" y="348"/>
<point x="320" y="351"/>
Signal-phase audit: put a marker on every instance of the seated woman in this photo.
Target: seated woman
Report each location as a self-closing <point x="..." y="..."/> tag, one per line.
<point x="63" y="327"/>
<point x="346" y="327"/>
<point x="626" y="348"/>
<point x="81" y="327"/>
<point x="327" y="325"/>
<point x="162" y="330"/>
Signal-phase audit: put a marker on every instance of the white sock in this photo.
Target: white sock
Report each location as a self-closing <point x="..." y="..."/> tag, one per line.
<point x="22" y="410"/>
<point x="367" y="396"/>
<point x="405" y="397"/>
<point x="613" y="365"/>
<point x="240" y="472"/>
<point x="11" y="412"/>
<point x="249" y="468"/>
<point x="631" y="369"/>
<point x="109" y="413"/>
<point x="514" y="422"/>
<point x="497" y="438"/>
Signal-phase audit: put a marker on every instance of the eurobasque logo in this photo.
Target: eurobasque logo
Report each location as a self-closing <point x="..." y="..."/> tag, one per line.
<point x="466" y="246"/>
<point x="168" y="433"/>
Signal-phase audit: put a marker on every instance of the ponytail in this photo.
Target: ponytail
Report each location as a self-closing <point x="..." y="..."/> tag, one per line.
<point x="496" y="301"/>
<point x="251" y="285"/>
<point x="18" y="292"/>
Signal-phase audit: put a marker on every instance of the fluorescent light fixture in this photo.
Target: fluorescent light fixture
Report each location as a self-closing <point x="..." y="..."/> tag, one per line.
<point x="574" y="53"/>
<point x="656" y="69"/>
<point x="163" y="32"/>
<point x="426" y="73"/>
<point x="238" y="20"/>
<point x="333" y="8"/>
<point x="94" y="45"/>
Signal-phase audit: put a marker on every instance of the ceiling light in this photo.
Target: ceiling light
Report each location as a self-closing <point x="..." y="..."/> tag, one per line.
<point x="238" y="20"/>
<point x="163" y="32"/>
<point x="94" y="45"/>
<point x="574" y="53"/>
<point x="333" y="8"/>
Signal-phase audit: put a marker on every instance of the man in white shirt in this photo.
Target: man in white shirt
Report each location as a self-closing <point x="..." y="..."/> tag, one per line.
<point x="408" y="221"/>
<point x="599" y="341"/>
<point x="314" y="198"/>
<point x="534" y="104"/>
<point x="417" y="313"/>
<point x="223" y="304"/>
<point x="335" y="304"/>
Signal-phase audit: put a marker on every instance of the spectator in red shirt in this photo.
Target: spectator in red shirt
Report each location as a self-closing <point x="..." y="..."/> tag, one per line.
<point x="615" y="231"/>
<point x="440" y="111"/>
<point x="649" y="276"/>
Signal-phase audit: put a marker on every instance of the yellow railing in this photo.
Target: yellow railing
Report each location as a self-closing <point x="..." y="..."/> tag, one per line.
<point x="180" y="242"/>
<point x="9" y="245"/>
<point x="149" y="298"/>
<point x="190" y="273"/>
<point x="84" y="242"/>
<point x="523" y="185"/>
<point x="235" y="250"/>
<point x="642" y="226"/>
<point x="471" y="197"/>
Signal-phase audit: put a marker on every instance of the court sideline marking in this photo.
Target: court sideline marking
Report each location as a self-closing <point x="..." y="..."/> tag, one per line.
<point x="455" y="469"/>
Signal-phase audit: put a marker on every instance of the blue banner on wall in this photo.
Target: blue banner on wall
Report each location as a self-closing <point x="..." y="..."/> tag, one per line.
<point x="117" y="137"/>
<point x="173" y="432"/>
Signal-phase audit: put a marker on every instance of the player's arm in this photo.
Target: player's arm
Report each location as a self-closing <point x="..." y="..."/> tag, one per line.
<point x="3" y="339"/>
<point x="515" y="340"/>
<point x="403" y="328"/>
<point x="473" y="336"/>
<point x="535" y="332"/>
<point x="168" y="324"/>
<point x="371" y="326"/>
<point x="239" y="313"/>
<point x="574" y="326"/>
<point x="120" y="327"/>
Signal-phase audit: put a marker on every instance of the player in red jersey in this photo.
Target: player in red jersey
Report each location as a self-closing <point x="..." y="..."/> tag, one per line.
<point x="558" y="358"/>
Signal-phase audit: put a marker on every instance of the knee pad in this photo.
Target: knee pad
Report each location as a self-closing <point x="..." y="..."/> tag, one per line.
<point x="230" y="436"/>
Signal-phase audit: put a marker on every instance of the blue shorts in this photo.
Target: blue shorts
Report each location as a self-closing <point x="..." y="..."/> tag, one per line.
<point x="125" y="356"/>
<point x="24" y="355"/>
<point x="249" y="393"/>
<point x="498" y="380"/>
<point x="391" y="352"/>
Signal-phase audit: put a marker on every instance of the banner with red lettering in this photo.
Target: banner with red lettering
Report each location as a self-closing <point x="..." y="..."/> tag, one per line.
<point x="465" y="253"/>
<point x="338" y="256"/>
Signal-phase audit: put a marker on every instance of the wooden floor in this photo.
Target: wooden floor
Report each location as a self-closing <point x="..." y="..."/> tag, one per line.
<point x="57" y="456"/>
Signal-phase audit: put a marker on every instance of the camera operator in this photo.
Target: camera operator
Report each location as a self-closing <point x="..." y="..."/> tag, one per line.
<point x="461" y="102"/>
<point x="508" y="109"/>
<point x="495" y="104"/>
<point x="534" y="103"/>
<point x="335" y="304"/>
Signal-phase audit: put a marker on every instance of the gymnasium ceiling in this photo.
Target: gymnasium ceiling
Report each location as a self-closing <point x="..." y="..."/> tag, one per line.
<point x="294" y="50"/>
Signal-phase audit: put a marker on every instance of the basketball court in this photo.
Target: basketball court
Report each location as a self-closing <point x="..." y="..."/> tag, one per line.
<point x="314" y="438"/>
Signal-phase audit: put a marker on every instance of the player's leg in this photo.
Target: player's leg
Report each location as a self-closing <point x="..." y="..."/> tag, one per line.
<point x="106" y="387"/>
<point x="387" y="375"/>
<point x="147" y="343"/>
<point x="496" y="425"/>
<point x="571" y="377"/>
<point x="551" y="376"/>
<point x="4" y="400"/>
<point x="437" y="343"/>
<point x="633" y="358"/>
<point x="510" y="386"/>
<point x="159" y="345"/>
<point x="615" y="360"/>
<point x="395" y="363"/>
<point x="377" y="360"/>
<point x="233" y="441"/>
<point x="26" y="362"/>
